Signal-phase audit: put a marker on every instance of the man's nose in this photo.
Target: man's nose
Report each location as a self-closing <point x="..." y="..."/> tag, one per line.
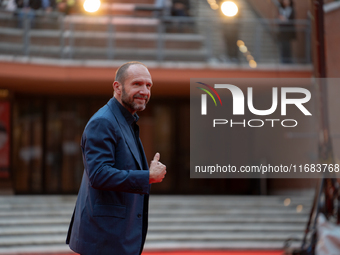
<point x="144" y="90"/>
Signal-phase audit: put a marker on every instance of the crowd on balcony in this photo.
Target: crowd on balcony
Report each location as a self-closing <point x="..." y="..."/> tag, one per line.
<point x="171" y="7"/>
<point x="19" y="6"/>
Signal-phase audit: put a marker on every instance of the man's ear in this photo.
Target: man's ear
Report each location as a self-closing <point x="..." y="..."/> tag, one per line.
<point x="117" y="87"/>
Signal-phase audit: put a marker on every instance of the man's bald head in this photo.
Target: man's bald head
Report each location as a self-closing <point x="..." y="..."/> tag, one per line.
<point x="122" y="73"/>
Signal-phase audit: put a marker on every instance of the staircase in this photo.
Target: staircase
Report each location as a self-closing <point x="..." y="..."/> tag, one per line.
<point x="39" y="223"/>
<point x="125" y="30"/>
<point x="258" y="37"/>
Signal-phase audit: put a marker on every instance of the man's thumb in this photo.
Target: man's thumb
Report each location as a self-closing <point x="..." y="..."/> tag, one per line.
<point x="157" y="156"/>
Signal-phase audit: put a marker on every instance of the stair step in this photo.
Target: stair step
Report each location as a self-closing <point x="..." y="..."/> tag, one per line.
<point x="157" y="212"/>
<point x="60" y="238"/>
<point x="217" y="245"/>
<point x="32" y="249"/>
<point x="40" y="223"/>
<point x="161" y="228"/>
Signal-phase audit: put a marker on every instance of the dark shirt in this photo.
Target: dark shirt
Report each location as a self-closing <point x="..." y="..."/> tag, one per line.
<point x="132" y="121"/>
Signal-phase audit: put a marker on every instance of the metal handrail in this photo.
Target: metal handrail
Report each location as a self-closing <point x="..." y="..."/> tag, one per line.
<point x="67" y="35"/>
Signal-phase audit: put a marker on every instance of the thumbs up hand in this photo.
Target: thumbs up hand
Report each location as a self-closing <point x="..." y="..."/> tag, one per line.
<point x="157" y="170"/>
<point x="157" y="156"/>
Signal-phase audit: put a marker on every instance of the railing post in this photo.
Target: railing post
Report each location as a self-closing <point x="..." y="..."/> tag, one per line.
<point x="160" y="43"/>
<point x="71" y="39"/>
<point x="308" y="43"/>
<point x="258" y="42"/>
<point x="26" y="35"/>
<point x="110" y="39"/>
<point x="62" y="35"/>
<point x="208" y="38"/>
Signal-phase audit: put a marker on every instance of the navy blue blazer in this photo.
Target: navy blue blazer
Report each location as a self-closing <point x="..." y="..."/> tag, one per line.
<point x="113" y="197"/>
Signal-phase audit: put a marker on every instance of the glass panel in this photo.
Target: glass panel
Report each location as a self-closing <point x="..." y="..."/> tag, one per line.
<point x="66" y="120"/>
<point x="27" y="146"/>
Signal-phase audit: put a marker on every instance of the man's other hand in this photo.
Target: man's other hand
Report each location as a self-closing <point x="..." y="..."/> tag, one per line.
<point x="157" y="170"/>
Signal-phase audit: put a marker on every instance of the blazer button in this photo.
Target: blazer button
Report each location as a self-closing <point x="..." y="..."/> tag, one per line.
<point x="139" y="215"/>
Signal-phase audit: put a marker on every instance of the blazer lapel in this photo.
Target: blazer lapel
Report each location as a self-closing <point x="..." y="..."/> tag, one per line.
<point x="145" y="161"/>
<point x="130" y="141"/>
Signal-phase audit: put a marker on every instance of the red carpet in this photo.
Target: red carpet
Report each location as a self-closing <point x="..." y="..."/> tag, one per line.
<point x="195" y="253"/>
<point x="216" y="253"/>
<point x="189" y="253"/>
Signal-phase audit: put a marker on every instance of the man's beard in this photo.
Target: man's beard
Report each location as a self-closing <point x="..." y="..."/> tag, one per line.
<point x="130" y="103"/>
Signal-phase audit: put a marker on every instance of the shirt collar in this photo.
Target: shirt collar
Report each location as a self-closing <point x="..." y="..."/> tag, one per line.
<point x="127" y="115"/>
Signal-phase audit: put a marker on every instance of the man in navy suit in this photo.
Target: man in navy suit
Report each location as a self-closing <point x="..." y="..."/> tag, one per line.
<point x="111" y="212"/>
